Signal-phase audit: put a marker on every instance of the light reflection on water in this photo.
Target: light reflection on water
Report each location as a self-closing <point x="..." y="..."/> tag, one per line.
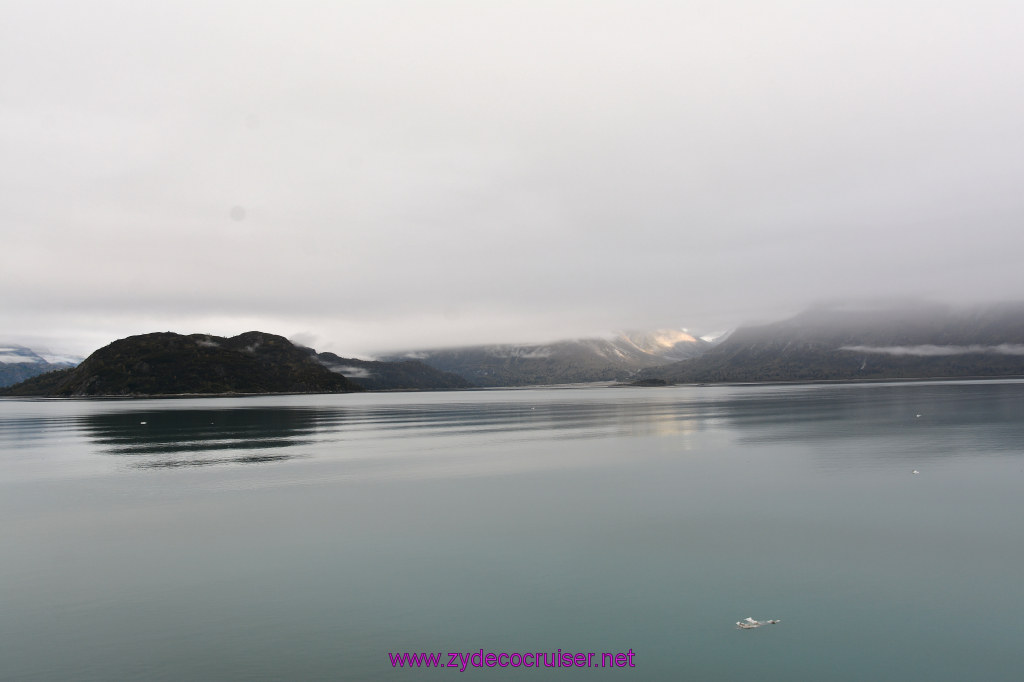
<point x="178" y="433"/>
<point x="588" y="519"/>
<point x="839" y="427"/>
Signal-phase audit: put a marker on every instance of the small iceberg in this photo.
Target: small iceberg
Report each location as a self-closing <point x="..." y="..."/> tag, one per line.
<point x="749" y="623"/>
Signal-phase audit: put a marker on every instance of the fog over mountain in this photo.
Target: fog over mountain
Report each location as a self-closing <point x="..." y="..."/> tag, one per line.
<point x="565" y="361"/>
<point x="370" y="177"/>
<point x="843" y="342"/>
<point x="18" y="363"/>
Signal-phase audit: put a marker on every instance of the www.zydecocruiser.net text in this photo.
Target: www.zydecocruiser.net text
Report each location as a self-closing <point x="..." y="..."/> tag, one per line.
<point x="462" y="660"/>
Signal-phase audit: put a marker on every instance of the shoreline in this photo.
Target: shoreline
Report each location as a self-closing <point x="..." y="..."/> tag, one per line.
<point x="595" y="384"/>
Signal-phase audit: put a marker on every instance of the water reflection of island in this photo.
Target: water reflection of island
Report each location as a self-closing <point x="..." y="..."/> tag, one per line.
<point x="193" y="437"/>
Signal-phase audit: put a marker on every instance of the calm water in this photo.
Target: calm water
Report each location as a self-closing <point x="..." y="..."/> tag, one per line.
<point x="305" y="537"/>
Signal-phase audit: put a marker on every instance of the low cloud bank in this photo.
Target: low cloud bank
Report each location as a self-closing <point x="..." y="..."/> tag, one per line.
<point x="351" y="372"/>
<point x="932" y="350"/>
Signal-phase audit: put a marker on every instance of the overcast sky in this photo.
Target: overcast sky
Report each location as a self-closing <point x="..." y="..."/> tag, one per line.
<point x="371" y="176"/>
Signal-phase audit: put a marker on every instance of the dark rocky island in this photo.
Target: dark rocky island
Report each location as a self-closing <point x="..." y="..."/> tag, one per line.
<point x="165" y="363"/>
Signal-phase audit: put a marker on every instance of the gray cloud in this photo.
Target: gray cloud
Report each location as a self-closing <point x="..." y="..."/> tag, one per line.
<point x="388" y="175"/>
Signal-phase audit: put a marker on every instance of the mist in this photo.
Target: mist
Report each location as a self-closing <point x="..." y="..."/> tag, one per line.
<point x="931" y="350"/>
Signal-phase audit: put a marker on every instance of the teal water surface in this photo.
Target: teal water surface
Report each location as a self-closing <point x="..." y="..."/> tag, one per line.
<point x="306" y="537"/>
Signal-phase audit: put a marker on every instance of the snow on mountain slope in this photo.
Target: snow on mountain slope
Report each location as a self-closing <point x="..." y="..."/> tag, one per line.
<point x="10" y="354"/>
<point x="18" y="363"/>
<point x="568" y="361"/>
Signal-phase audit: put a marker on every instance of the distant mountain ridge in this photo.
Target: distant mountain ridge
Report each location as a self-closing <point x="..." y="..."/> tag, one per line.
<point x="397" y="375"/>
<point x="562" y="362"/>
<point x="844" y="342"/>
<point x="18" y="363"/>
<point x="838" y="342"/>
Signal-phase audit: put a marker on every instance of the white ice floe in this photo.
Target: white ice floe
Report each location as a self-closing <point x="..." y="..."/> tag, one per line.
<point x="749" y="623"/>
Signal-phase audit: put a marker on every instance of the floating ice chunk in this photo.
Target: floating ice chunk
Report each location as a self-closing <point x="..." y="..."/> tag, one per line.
<point x="749" y="623"/>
